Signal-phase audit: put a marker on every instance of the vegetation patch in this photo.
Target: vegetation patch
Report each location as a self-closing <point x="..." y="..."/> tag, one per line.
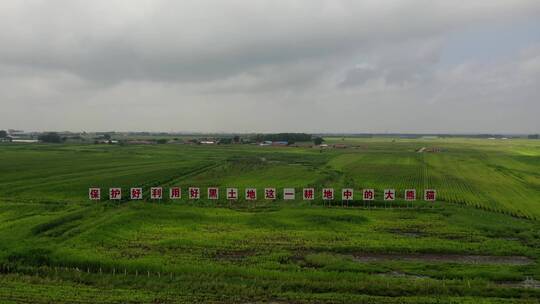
<point x="31" y="256"/>
<point x="233" y="255"/>
<point x="46" y="227"/>
<point x="479" y="243"/>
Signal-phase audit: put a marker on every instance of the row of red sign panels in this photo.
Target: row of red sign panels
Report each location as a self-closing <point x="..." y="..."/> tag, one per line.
<point x="250" y="194"/>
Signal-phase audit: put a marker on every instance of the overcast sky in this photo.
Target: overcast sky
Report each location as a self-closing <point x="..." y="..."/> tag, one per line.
<point x="271" y="65"/>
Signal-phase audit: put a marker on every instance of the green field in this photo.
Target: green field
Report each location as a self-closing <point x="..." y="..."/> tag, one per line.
<point x="480" y="243"/>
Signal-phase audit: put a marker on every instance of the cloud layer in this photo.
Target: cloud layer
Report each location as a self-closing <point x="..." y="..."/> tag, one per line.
<point x="263" y="66"/>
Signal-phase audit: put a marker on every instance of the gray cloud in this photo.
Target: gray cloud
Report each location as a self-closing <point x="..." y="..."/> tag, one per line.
<point x="403" y="63"/>
<point x="245" y="65"/>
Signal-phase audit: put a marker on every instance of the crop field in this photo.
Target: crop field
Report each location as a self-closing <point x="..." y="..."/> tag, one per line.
<point x="479" y="243"/>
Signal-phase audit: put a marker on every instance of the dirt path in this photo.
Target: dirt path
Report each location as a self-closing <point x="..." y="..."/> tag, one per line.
<point x="444" y="258"/>
<point x="527" y="283"/>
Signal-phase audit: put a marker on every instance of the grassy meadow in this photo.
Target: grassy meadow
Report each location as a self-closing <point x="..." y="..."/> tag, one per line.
<point x="479" y="243"/>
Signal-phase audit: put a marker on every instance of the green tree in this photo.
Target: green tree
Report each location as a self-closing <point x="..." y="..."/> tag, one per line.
<point x="225" y="141"/>
<point x="318" y="140"/>
<point x="3" y="134"/>
<point x="50" y="137"/>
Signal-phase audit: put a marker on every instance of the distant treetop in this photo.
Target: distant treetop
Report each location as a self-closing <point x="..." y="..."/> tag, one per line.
<point x="50" y="137"/>
<point x="288" y="137"/>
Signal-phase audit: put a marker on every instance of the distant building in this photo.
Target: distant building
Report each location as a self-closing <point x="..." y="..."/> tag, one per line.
<point x="108" y="141"/>
<point x="280" y="143"/>
<point x="27" y="141"/>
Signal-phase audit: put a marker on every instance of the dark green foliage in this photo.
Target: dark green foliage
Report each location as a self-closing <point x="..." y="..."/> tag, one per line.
<point x="225" y="141"/>
<point x="318" y="140"/>
<point x="47" y="226"/>
<point x="50" y="137"/>
<point x="288" y="137"/>
<point x="31" y="256"/>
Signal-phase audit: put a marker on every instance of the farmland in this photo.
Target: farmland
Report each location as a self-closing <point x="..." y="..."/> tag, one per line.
<point x="480" y="243"/>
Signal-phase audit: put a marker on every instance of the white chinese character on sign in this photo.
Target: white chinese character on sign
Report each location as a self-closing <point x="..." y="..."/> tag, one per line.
<point x="156" y="193"/>
<point x="328" y="194"/>
<point x="251" y="194"/>
<point x="270" y="193"/>
<point x="232" y="193"/>
<point x="194" y="193"/>
<point x="94" y="194"/>
<point x="430" y="195"/>
<point x="115" y="193"/>
<point x="347" y="194"/>
<point x="410" y="195"/>
<point x="135" y="193"/>
<point x="288" y="193"/>
<point x="308" y="194"/>
<point x="175" y="193"/>
<point x="213" y="193"/>
<point x="368" y="194"/>
<point x="389" y="194"/>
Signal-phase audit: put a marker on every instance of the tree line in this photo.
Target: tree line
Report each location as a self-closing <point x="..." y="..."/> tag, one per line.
<point x="288" y="137"/>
